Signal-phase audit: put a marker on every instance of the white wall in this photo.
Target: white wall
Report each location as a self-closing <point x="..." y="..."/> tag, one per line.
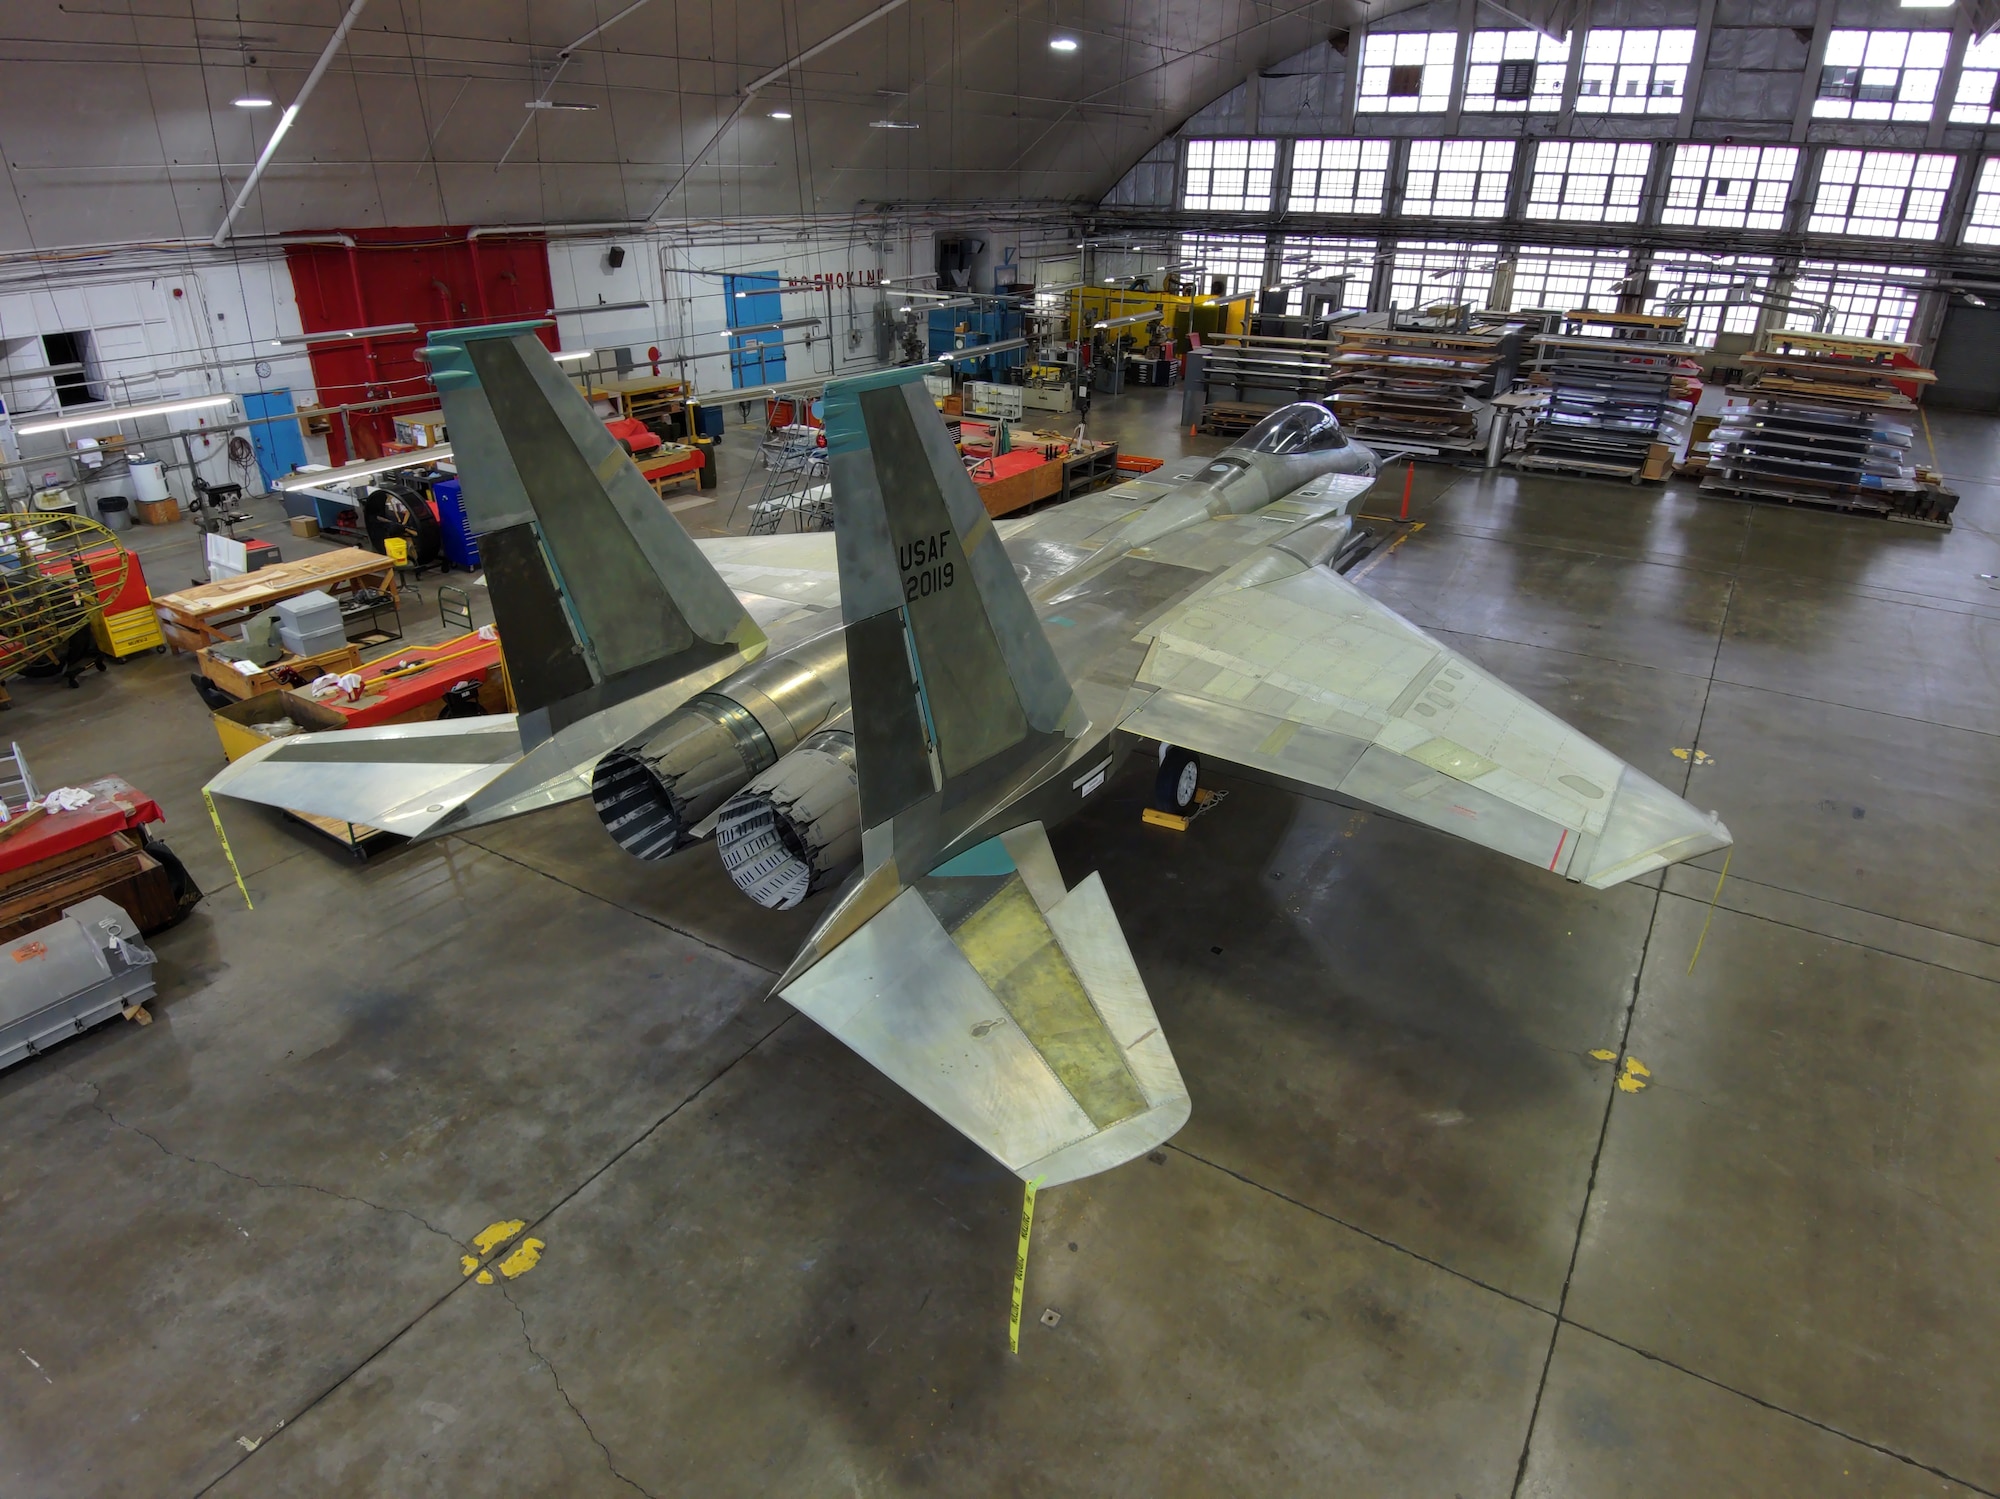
<point x="156" y="334"/>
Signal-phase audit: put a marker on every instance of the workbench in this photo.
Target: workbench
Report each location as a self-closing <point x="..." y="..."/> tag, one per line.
<point x="199" y="616"/>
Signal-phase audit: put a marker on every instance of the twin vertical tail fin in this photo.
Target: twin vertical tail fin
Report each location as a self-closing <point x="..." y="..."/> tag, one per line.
<point x="1003" y="1000"/>
<point x="598" y="592"/>
<point x="956" y="692"/>
<point x="609" y="614"/>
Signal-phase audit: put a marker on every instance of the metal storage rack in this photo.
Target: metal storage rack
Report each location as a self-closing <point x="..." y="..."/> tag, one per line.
<point x="1613" y="397"/>
<point x="1421" y="392"/>
<point x="1822" y="421"/>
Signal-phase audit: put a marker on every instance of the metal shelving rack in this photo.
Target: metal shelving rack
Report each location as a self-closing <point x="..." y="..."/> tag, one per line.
<point x="1823" y="421"/>
<point x="1611" y="396"/>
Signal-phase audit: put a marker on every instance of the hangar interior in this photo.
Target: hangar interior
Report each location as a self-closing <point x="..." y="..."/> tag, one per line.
<point x="486" y="1155"/>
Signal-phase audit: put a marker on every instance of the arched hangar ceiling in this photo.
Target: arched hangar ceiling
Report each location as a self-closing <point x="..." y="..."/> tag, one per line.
<point x="117" y="120"/>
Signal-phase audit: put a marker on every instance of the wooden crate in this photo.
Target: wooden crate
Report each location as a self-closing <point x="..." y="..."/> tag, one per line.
<point x="158" y="512"/>
<point x="246" y="685"/>
<point x="116" y="867"/>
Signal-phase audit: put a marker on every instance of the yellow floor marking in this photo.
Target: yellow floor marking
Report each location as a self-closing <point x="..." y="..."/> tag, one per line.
<point x="494" y="1235"/>
<point x="486" y="1277"/>
<point x="1605" y="1056"/>
<point x="527" y="1254"/>
<point x="468" y="1263"/>
<point x="1632" y="1076"/>
<point x="1700" y="757"/>
<point x="1377" y="560"/>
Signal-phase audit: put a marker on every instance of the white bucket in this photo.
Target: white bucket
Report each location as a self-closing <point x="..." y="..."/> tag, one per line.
<point x="149" y="482"/>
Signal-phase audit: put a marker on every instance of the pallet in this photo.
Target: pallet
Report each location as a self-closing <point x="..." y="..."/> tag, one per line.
<point x="1230" y="418"/>
<point x="1582" y="468"/>
<point x="358" y="839"/>
<point x="1837" y="504"/>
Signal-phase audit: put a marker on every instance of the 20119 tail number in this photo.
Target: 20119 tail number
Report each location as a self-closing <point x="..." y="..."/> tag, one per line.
<point x="925" y="566"/>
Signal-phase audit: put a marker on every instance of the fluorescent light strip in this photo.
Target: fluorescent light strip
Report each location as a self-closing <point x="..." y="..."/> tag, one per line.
<point x="366" y="470"/>
<point x="790" y="322"/>
<point x="599" y="307"/>
<point x="569" y="356"/>
<point x="122" y="414"/>
<point x="380" y="330"/>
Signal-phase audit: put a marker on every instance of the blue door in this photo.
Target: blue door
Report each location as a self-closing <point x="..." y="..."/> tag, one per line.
<point x="279" y="446"/>
<point x="754" y="358"/>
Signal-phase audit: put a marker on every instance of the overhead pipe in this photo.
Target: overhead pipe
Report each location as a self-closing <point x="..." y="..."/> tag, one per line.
<point x="285" y="121"/>
<point x="751" y="91"/>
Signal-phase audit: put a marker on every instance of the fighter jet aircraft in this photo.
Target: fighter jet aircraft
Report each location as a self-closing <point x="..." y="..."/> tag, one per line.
<point x="903" y="707"/>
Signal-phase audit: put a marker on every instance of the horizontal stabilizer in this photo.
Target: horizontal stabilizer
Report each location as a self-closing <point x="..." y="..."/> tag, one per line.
<point x="1010" y="1007"/>
<point x="401" y="778"/>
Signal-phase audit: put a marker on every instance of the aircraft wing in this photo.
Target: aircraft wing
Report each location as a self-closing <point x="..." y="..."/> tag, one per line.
<point x="1309" y="680"/>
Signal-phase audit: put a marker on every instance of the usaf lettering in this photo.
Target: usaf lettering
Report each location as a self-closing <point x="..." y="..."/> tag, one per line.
<point x="924" y="568"/>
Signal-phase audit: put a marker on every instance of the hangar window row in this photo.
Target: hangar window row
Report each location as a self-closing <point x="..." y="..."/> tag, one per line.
<point x="1715" y="293"/>
<point x="1891" y="75"/>
<point x="1878" y="194"/>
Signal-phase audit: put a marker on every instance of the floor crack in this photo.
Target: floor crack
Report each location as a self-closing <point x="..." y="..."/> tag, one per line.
<point x="555" y="1375"/>
<point x="97" y="1103"/>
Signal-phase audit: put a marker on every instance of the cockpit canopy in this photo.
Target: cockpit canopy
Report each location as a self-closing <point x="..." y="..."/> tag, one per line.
<point x="1302" y="427"/>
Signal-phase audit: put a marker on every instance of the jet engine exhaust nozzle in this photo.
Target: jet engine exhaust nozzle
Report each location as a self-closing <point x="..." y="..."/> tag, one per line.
<point x="796" y="828"/>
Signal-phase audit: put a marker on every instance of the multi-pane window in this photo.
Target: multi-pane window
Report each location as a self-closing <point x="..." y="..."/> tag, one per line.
<point x="1880" y="75"/>
<point x="1982" y="226"/>
<point x="1342" y="176"/>
<point x="1855" y="301"/>
<point x="1230" y="174"/>
<point x="1978" y="84"/>
<point x="1323" y="261"/>
<point x="1429" y="275"/>
<point x="1715" y="293"/>
<point x="1514" y="72"/>
<point x="1890" y="194"/>
<point x="1464" y="179"/>
<point x="1634" y="72"/>
<point x="1236" y="260"/>
<point x="1561" y="278"/>
<point x="1591" y="182"/>
<point x="1730" y="187"/>
<point x="1406" y="72"/>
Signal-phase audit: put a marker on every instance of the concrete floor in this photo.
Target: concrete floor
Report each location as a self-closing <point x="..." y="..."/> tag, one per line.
<point x="1413" y="1241"/>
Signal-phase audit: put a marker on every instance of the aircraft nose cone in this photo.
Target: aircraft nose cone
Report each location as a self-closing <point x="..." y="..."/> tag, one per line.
<point x="1649" y="827"/>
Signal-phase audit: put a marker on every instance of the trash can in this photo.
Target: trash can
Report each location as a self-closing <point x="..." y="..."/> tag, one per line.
<point x="706" y="447"/>
<point x="115" y="511"/>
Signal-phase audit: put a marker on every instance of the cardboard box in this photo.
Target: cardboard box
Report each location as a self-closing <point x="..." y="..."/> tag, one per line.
<point x="158" y="512"/>
<point x="304" y="525"/>
<point x="1659" y="461"/>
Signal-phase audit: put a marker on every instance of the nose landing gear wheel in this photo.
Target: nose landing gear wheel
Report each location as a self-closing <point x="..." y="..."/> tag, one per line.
<point x="1178" y="780"/>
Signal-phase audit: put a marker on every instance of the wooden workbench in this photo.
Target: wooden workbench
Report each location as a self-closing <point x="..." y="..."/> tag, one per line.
<point x="199" y="616"/>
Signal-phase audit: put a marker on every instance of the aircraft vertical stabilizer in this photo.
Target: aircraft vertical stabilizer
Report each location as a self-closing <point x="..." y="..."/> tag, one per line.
<point x="1006" y="1002"/>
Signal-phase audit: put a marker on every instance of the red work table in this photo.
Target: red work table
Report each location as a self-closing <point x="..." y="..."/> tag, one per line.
<point x="116" y="806"/>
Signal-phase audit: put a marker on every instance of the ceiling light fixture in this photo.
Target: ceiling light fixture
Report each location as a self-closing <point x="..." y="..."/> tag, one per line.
<point x="781" y="114"/>
<point x="367" y="469"/>
<point x="639" y="306"/>
<point x="570" y="356"/>
<point x="553" y="104"/>
<point x="894" y="125"/>
<point x="252" y="101"/>
<point x="1062" y="44"/>
<point x="380" y="330"/>
<point x="1926" y="4"/>
<point x="122" y="414"/>
<point x="790" y="322"/>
